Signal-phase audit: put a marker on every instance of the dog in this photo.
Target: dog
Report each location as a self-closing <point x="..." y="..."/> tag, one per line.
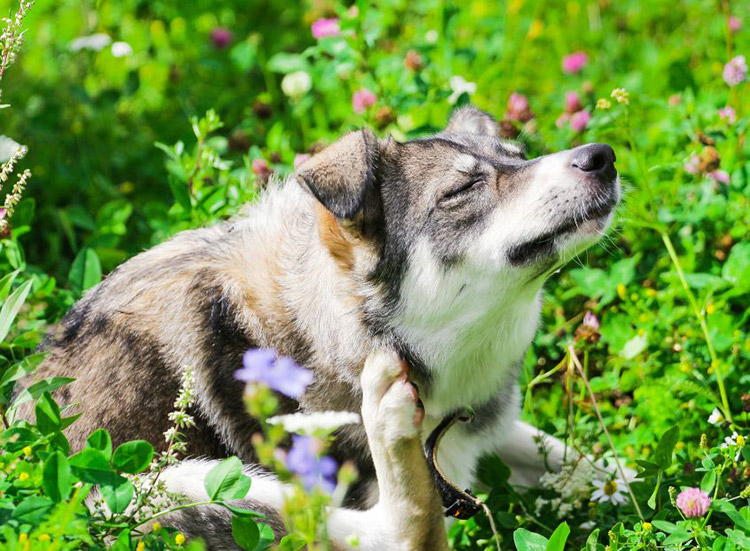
<point x="374" y="260"/>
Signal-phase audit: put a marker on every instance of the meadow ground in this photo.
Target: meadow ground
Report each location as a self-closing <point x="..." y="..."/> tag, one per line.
<point x="140" y="119"/>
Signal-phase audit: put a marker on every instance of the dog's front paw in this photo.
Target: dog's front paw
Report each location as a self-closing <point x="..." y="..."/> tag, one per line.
<point x="391" y="409"/>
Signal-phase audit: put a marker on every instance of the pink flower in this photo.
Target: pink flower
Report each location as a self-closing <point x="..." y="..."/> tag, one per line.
<point x="574" y="62"/>
<point x="735" y="71"/>
<point x="3" y="213"/>
<point x="572" y="102"/>
<point x="692" y="166"/>
<point x="693" y="502"/>
<point x="590" y="320"/>
<point x="300" y="158"/>
<point x="518" y="108"/>
<point x="362" y="99"/>
<point x="578" y="121"/>
<point x="735" y="23"/>
<point x="325" y="27"/>
<point x="728" y="114"/>
<point x="562" y="119"/>
<point x="721" y="176"/>
<point x="260" y="168"/>
<point x="221" y="37"/>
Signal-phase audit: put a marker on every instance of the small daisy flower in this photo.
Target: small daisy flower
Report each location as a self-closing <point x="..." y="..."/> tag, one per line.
<point x="609" y="490"/>
<point x="693" y="502"/>
<point x="734" y="441"/>
<point x="735" y="72"/>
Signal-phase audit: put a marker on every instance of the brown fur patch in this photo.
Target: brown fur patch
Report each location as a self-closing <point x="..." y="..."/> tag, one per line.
<point x="334" y="239"/>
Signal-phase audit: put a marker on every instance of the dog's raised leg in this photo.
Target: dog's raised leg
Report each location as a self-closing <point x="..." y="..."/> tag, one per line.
<point x="409" y="510"/>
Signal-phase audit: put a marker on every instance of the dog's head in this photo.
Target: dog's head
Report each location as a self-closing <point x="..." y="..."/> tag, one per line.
<point x="467" y="198"/>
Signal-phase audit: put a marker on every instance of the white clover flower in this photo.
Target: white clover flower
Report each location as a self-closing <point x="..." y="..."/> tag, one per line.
<point x="296" y="84"/>
<point x="95" y="42"/>
<point x="310" y="423"/>
<point x="460" y="85"/>
<point x="716" y="417"/>
<point x="8" y="148"/>
<point x="431" y="36"/>
<point x="609" y="490"/>
<point x="121" y="49"/>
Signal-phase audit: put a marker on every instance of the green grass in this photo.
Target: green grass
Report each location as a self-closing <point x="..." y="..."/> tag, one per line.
<point x="670" y="285"/>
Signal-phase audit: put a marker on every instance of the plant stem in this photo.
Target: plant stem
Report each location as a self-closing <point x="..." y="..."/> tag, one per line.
<point x="577" y="363"/>
<point x="698" y="313"/>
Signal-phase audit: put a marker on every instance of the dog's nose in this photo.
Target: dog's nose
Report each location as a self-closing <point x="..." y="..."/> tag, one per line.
<point x="596" y="159"/>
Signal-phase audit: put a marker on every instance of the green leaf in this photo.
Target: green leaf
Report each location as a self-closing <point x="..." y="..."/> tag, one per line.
<point x="558" y="538"/>
<point x="592" y="541"/>
<point x="708" y="481"/>
<point x="226" y="481"/>
<point x="122" y="543"/>
<point x="529" y="541"/>
<point x="666" y="526"/>
<point x="738" y="538"/>
<point x="133" y="457"/>
<point x="11" y="307"/>
<point x="492" y="471"/>
<point x="634" y="346"/>
<point x="724" y="506"/>
<point x="678" y="536"/>
<point x="85" y="272"/>
<point x="50" y="384"/>
<point x="102" y="441"/>
<point x="117" y="493"/>
<point x="91" y="466"/>
<point x="32" y="509"/>
<point x="56" y="477"/>
<point x="267" y="537"/>
<point x="239" y="511"/>
<point x="736" y="269"/>
<point x="245" y="532"/>
<point x="667" y="442"/>
<point x="48" y="418"/>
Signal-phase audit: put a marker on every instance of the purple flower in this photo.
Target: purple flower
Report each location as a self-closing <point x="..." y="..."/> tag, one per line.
<point x="518" y="108"/>
<point x="572" y="102"/>
<point x="591" y="321"/>
<point x="728" y="114"/>
<point x="693" y="502"/>
<point x="300" y="158"/>
<point x="362" y="99"/>
<point x="735" y="71"/>
<point x="304" y="461"/>
<point x="221" y="37"/>
<point x="574" y="62"/>
<point x="261" y="365"/>
<point x="721" y="176"/>
<point x="325" y="27"/>
<point x="578" y="121"/>
<point x="735" y="23"/>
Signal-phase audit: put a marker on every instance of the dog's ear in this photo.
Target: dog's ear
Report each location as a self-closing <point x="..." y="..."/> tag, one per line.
<point x="470" y="120"/>
<point x="343" y="173"/>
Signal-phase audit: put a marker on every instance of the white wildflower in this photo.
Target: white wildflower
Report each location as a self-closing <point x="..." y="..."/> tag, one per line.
<point x="572" y="484"/>
<point x="716" y="417"/>
<point x="121" y="49"/>
<point x="460" y="85"/>
<point x="296" y="84"/>
<point x="94" y="42"/>
<point x="431" y="36"/>
<point x="8" y="148"/>
<point x="310" y="423"/>
<point x="732" y="441"/>
<point x="609" y="490"/>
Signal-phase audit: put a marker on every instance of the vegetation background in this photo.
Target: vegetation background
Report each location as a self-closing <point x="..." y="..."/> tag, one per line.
<point x="111" y="99"/>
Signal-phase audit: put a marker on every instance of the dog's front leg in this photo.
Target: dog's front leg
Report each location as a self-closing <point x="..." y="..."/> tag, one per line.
<point x="409" y="513"/>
